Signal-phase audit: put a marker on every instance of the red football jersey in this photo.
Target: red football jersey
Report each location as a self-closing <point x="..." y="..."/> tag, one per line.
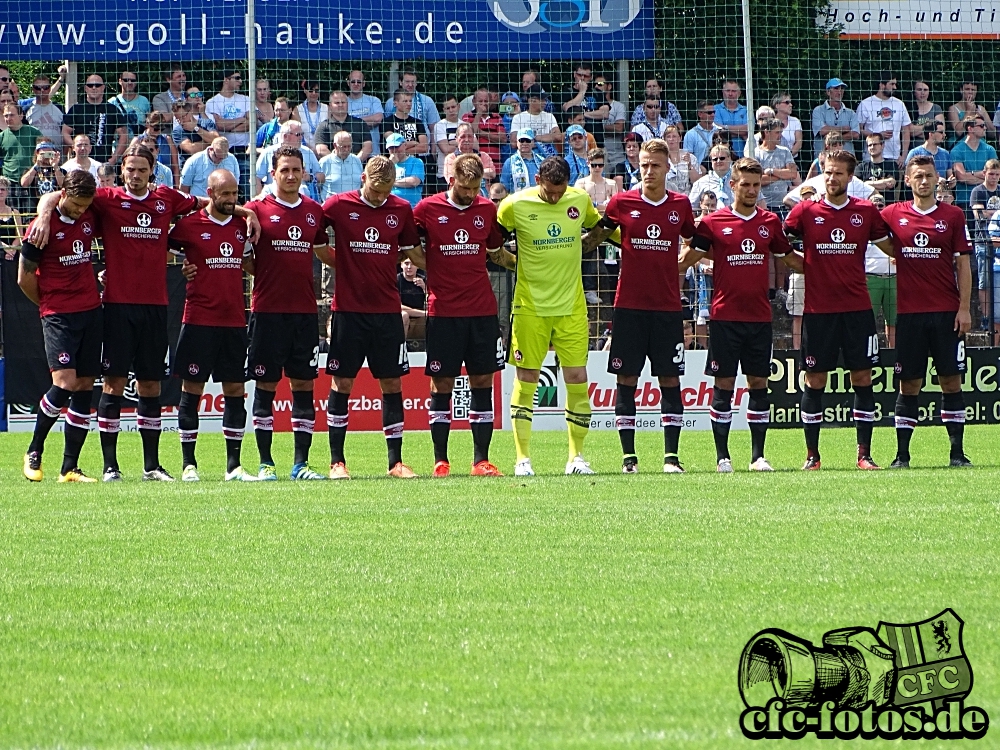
<point x="740" y="247"/>
<point x="66" y="281"/>
<point x="215" y="294"/>
<point x="834" y="241"/>
<point x="367" y="241"/>
<point x="926" y="245"/>
<point x="283" y="256"/>
<point x="458" y="284"/>
<point x="135" y="241"/>
<point x="650" y="240"/>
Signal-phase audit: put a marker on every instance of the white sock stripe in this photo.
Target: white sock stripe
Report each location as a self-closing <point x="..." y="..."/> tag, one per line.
<point x="77" y="420"/>
<point x="393" y="430"/>
<point x="48" y="408"/>
<point x="671" y="420"/>
<point x="149" y="423"/>
<point x="434" y="417"/>
<point x="905" y="423"/>
<point x="624" y="423"/>
<point x="953" y="416"/>
<point x="109" y="425"/>
<point x="758" y="416"/>
<point x="481" y="417"/>
<point x="722" y="417"/>
<point x="188" y="436"/>
<point x="864" y="416"/>
<point x="263" y="423"/>
<point x="233" y="434"/>
<point x="811" y="418"/>
<point x="303" y="425"/>
<point x="336" y="420"/>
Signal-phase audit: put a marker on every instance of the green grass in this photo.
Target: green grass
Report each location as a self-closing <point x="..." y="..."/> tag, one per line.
<point x="555" y="612"/>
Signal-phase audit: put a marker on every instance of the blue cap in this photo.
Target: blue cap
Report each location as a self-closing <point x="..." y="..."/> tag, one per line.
<point x="394" y="140"/>
<point x="525" y="134"/>
<point x="511" y="95"/>
<point x="575" y="130"/>
<point x="835" y="83"/>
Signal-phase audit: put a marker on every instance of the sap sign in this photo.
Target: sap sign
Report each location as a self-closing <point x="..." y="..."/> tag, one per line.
<point x="165" y="30"/>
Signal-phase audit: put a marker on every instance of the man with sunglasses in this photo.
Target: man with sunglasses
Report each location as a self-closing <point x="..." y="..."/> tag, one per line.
<point x="698" y="140"/>
<point x="42" y="113"/>
<point x="579" y="94"/>
<point x="668" y="110"/>
<point x="652" y="125"/>
<point x="969" y="157"/>
<point x="133" y="105"/>
<point x="101" y="120"/>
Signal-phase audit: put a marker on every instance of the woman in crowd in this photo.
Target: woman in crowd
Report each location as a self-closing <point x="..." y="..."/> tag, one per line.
<point x="310" y="113"/>
<point x="791" y="136"/>
<point x="684" y="168"/>
<point x="626" y="174"/>
<point x="156" y="123"/>
<point x="924" y="110"/>
<point x="598" y="187"/>
<point x="968" y="107"/>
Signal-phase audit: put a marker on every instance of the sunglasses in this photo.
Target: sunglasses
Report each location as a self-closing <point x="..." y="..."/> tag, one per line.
<point x="597" y="165"/>
<point x="129" y="80"/>
<point x="650" y="106"/>
<point x="40" y="88"/>
<point x="4" y="80"/>
<point x="720" y="158"/>
<point x="95" y="85"/>
<point x="706" y="112"/>
<point x="196" y="95"/>
<point x="789" y="101"/>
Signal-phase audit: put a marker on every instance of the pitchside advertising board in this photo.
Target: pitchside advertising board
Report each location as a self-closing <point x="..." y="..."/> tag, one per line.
<point x="164" y="30"/>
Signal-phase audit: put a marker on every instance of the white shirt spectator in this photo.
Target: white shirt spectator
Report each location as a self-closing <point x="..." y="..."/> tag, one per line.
<point x="877" y="115"/>
<point x="718" y="185"/>
<point x="311" y="120"/>
<point x="230" y="108"/>
<point x="71" y="165"/>
<point x="649" y="131"/>
<point x="788" y="134"/>
<point x="877" y="263"/>
<point x="543" y="123"/>
<point x="443" y="131"/>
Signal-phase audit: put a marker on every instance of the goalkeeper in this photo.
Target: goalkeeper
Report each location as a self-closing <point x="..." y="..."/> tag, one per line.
<point x="548" y="222"/>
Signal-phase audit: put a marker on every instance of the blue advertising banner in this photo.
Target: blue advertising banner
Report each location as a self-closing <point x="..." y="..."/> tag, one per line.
<point x="162" y="30"/>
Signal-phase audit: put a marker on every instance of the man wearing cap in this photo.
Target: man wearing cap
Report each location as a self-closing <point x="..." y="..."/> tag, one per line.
<point x="833" y="117"/>
<point x="17" y="150"/>
<point x="409" y="170"/>
<point x="884" y="113"/>
<point x="575" y="152"/>
<point x="542" y="123"/>
<point x="520" y="169"/>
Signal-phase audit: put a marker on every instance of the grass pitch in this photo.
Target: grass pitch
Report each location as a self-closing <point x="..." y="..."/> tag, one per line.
<point x="553" y="612"/>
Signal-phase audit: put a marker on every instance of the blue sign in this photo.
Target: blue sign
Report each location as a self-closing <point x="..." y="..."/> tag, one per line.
<point x="163" y="30"/>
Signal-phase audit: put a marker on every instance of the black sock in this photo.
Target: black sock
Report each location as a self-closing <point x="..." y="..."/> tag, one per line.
<point x="672" y="419"/>
<point x="263" y="423"/>
<point x="812" y="417"/>
<point x="392" y="426"/>
<point x="625" y="418"/>
<point x="187" y="426"/>
<point x="303" y="422"/>
<point x="758" y="417"/>
<point x="481" y="423"/>
<point x="907" y="412"/>
<point x="150" y="424"/>
<point x="721" y="414"/>
<point x="953" y="416"/>
<point x="864" y="418"/>
<point x="77" y="426"/>
<point x="49" y="408"/>
<point x="336" y="424"/>
<point x="234" y="422"/>
<point x="109" y="410"/>
<point x="439" y="416"/>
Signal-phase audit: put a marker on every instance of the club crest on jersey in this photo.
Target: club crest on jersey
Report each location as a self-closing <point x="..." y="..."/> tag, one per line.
<point x="940" y="226"/>
<point x="371" y="234"/>
<point x="392" y="221"/>
<point x="274" y="218"/>
<point x="435" y="366"/>
<point x="810" y="361"/>
<point x="105" y="364"/>
<point x="78" y="247"/>
<point x="897" y="368"/>
<point x="838" y="235"/>
<point x="763" y="231"/>
<point x="239" y="237"/>
<point x="674" y="218"/>
<point x="479" y="222"/>
<point x="354" y="216"/>
<point x="748" y="246"/>
<point x="635" y="214"/>
<point x="87" y="229"/>
<point x="461" y="236"/>
<point x="921" y="239"/>
<point x="260" y="371"/>
<point x="334" y="364"/>
<point x="727" y="230"/>
<point x="193" y="368"/>
<point x="714" y="365"/>
<point x="819" y="219"/>
<point x="206" y="236"/>
<point x="144" y="220"/>
<point x="573" y="212"/>
<point x="442" y="219"/>
<point x="64" y="358"/>
<point x="226" y="249"/>
<point x="160" y="207"/>
<point x="616" y="364"/>
<point x="857" y="220"/>
<point x="653" y="231"/>
<point x="294" y="233"/>
<point x="60" y="235"/>
<point x="310" y="220"/>
<point x="517" y="355"/>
